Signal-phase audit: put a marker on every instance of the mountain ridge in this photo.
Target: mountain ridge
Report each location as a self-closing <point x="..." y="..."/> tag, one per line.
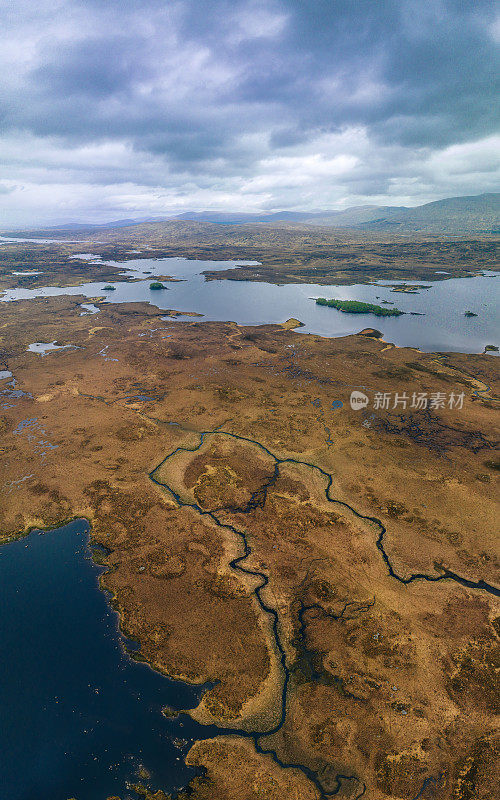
<point x="452" y="215"/>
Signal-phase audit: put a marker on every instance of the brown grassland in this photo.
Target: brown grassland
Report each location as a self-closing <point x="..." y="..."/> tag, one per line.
<point x="393" y="682"/>
<point x="286" y="253"/>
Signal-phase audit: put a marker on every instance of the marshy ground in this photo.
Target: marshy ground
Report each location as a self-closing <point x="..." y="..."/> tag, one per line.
<point x="392" y="680"/>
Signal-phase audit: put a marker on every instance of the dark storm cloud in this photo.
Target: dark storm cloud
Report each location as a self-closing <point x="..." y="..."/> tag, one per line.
<point x="214" y="88"/>
<point x="435" y="61"/>
<point x="98" y="67"/>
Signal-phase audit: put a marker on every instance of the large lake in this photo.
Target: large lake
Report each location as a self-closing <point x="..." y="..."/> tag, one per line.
<point x="443" y="328"/>
<point x="79" y="717"/>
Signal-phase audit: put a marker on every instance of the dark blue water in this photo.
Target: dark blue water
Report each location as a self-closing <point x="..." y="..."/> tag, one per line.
<point x="78" y="715"/>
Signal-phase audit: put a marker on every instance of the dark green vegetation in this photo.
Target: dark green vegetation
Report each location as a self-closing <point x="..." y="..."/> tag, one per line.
<point x="109" y="288"/>
<point x="491" y="347"/>
<point x="357" y="307"/>
<point x="157" y="285"/>
<point x="470" y="314"/>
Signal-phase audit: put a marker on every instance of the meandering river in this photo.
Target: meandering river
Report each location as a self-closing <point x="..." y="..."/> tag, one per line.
<point x="88" y="718"/>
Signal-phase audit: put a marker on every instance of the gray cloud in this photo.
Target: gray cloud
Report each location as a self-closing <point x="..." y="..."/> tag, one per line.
<point x="210" y="102"/>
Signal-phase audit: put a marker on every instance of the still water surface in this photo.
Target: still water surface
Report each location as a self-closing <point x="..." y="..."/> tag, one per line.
<point x="78" y="715"/>
<point x="442" y="328"/>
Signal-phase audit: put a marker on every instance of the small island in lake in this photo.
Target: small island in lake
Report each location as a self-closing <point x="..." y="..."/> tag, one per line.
<point x="470" y="314"/>
<point x="157" y="285"/>
<point x="358" y="307"/>
<point x="109" y="288"/>
<point x="373" y="333"/>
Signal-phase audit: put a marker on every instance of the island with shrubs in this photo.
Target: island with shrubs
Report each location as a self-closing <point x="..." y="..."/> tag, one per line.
<point x="358" y="307"/>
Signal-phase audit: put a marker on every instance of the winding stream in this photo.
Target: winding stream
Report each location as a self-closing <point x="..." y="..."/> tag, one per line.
<point x="126" y="729"/>
<point x="94" y="715"/>
<point x="88" y="716"/>
<point x="258" y="498"/>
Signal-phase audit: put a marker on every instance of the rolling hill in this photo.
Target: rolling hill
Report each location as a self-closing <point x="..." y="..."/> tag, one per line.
<point x="453" y="216"/>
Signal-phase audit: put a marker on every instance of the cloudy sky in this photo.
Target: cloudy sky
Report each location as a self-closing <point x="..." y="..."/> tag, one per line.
<point x="119" y="108"/>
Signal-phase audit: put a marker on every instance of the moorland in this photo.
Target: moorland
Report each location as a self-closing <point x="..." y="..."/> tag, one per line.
<point x="333" y="574"/>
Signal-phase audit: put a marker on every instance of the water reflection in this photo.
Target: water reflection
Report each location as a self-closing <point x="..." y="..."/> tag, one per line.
<point x="443" y="328"/>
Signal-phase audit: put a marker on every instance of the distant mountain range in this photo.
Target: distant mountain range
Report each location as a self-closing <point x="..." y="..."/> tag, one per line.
<point x="117" y="223"/>
<point x="451" y="216"/>
<point x="455" y="215"/>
